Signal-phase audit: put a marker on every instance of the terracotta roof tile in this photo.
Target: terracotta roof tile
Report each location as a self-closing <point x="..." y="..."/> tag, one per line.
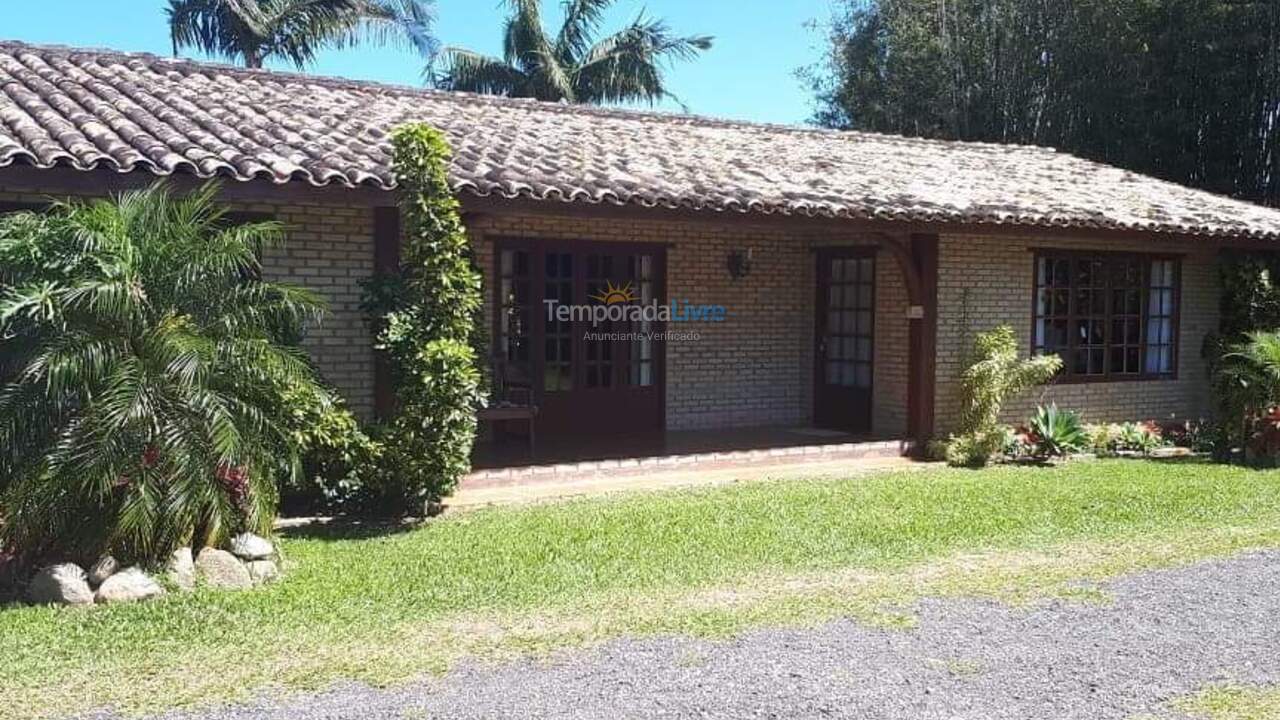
<point x="100" y="109"/>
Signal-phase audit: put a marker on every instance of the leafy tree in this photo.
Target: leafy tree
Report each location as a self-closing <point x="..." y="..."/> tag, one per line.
<point x="142" y="376"/>
<point x="623" y="67"/>
<point x="1187" y="90"/>
<point x="254" y="31"/>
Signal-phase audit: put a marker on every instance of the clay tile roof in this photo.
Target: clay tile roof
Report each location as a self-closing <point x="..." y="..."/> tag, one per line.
<point x="100" y="109"/>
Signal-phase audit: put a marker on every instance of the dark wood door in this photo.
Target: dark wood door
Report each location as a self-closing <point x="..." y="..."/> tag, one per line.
<point x="844" y="332"/>
<point x="587" y="378"/>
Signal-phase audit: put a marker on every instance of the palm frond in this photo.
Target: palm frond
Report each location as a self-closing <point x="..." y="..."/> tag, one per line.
<point x="140" y="361"/>
<point x="467" y="71"/>
<point x="627" y="65"/>
<point x="581" y="21"/>
<point x="394" y="22"/>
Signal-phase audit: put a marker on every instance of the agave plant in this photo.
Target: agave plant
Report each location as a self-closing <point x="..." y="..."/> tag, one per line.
<point x="1057" y="432"/>
<point x="140" y="375"/>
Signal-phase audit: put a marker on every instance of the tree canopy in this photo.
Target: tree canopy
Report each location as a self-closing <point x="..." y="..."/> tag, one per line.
<point x="253" y="31"/>
<point x="570" y="65"/>
<point x="1187" y="90"/>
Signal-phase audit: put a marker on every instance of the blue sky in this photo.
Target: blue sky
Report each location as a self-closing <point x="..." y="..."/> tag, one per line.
<point x="749" y="74"/>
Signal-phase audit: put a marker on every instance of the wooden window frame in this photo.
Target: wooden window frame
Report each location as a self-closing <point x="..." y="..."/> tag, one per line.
<point x="1066" y="377"/>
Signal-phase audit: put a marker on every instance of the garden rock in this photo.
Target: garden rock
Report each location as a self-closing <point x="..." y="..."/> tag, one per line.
<point x="248" y="546"/>
<point x="263" y="571"/>
<point x="181" y="569"/>
<point x="129" y="585"/>
<point x="64" y="584"/>
<point x="221" y="569"/>
<point x="103" y="569"/>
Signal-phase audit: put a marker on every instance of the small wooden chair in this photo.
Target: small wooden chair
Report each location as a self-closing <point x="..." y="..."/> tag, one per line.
<point x="512" y="399"/>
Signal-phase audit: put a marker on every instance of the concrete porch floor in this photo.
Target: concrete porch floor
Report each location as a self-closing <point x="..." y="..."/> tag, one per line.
<point x="678" y="459"/>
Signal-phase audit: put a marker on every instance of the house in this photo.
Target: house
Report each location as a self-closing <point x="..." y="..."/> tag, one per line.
<point x="792" y="276"/>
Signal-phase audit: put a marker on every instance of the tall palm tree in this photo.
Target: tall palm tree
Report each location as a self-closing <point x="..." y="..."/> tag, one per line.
<point x="623" y="67"/>
<point x="253" y="31"/>
<point x="143" y="376"/>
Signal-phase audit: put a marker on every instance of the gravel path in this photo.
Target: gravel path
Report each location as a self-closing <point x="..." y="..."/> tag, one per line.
<point x="1166" y="634"/>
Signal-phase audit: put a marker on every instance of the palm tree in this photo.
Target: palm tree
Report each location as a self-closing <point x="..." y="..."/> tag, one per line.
<point x="623" y="67"/>
<point x="254" y="31"/>
<point x="144" y="382"/>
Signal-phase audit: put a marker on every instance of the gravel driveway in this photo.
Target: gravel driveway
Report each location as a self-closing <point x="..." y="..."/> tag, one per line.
<point x="1166" y="634"/>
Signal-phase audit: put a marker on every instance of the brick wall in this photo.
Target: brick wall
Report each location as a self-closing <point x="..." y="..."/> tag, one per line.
<point x="755" y="369"/>
<point x="984" y="281"/>
<point x="328" y="248"/>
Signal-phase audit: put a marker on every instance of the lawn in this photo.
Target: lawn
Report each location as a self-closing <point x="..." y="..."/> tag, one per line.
<point x="1233" y="703"/>
<point x="387" y="606"/>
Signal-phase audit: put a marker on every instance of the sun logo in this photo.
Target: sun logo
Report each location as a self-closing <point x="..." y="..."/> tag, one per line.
<point x="613" y="294"/>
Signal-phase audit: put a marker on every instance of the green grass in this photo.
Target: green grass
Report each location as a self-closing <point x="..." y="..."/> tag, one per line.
<point x="390" y="606"/>
<point x="1234" y="703"/>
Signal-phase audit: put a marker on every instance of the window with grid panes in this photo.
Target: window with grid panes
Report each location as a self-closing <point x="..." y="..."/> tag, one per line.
<point x="1109" y="316"/>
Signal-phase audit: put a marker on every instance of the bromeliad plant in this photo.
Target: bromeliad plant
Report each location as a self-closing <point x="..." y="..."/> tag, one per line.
<point x="141" y="376"/>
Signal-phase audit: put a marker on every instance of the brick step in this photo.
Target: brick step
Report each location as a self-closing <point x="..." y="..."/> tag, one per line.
<point x="500" y="477"/>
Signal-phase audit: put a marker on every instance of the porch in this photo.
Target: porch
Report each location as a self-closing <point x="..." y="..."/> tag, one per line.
<point x="510" y="452"/>
<point x="507" y="472"/>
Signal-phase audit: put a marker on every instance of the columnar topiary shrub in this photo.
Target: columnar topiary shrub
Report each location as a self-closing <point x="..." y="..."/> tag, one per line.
<point x="996" y="374"/>
<point x="430" y="332"/>
<point x="142" y="372"/>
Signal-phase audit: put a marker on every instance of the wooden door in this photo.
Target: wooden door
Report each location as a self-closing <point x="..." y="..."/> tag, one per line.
<point x="844" y="333"/>
<point x="587" y="379"/>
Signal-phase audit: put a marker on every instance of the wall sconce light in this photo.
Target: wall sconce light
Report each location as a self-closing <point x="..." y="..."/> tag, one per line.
<point x="739" y="263"/>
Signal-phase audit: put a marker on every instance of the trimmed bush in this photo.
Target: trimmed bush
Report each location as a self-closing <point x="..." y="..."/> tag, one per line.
<point x="429" y="333"/>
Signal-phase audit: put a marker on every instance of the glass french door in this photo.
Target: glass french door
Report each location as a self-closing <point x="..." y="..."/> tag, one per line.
<point x="587" y="378"/>
<point x="844" y="333"/>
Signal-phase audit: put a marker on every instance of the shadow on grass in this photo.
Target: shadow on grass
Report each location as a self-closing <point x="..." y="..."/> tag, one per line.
<point x="338" y="529"/>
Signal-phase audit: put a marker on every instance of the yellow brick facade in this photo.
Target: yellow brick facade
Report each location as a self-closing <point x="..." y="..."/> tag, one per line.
<point x="984" y="281"/>
<point x="755" y="369"/>
<point x="329" y="249"/>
